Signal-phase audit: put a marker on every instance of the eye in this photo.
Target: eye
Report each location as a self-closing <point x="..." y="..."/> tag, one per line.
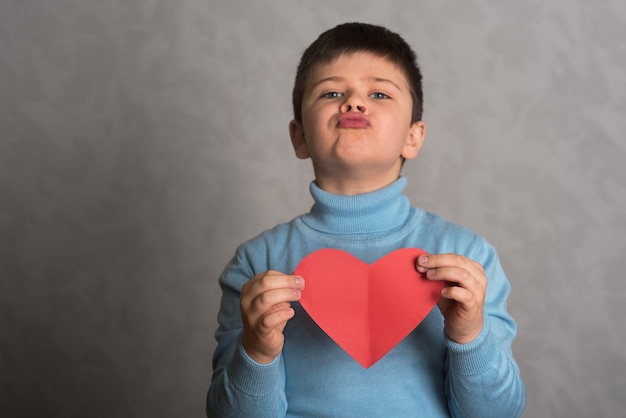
<point x="379" y="95"/>
<point x="332" y="95"/>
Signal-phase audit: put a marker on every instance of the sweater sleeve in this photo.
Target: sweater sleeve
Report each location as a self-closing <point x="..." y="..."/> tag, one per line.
<point x="240" y="387"/>
<point x="483" y="379"/>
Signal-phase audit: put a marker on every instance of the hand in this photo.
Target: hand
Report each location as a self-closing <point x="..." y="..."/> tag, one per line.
<point x="463" y="298"/>
<point x="265" y="309"/>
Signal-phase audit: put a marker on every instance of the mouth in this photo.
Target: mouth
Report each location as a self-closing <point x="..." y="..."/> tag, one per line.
<point x="353" y="121"/>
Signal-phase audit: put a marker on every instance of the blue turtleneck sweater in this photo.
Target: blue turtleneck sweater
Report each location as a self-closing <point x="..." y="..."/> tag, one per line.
<point x="426" y="375"/>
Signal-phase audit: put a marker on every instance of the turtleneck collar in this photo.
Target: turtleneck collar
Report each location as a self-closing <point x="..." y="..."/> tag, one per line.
<point x="374" y="212"/>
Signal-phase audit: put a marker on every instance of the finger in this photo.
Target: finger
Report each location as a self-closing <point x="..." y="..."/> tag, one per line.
<point x="279" y="281"/>
<point x="440" y="260"/>
<point x="274" y="297"/>
<point x="280" y="307"/>
<point x="276" y="318"/>
<point x="421" y="264"/>
<point x="464" y="296"/>
<point x="269" y="281"/>
<point x="456" y="275"/>
<point x="266" y="301"/>
<point x="466" y="307"/>
<point x="426" y="262"/>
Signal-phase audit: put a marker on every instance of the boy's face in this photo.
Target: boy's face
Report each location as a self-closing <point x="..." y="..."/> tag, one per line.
<point x="356" y="123"/>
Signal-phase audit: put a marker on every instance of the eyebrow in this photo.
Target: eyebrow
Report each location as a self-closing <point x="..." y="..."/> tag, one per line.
<point x="338" y="79"/>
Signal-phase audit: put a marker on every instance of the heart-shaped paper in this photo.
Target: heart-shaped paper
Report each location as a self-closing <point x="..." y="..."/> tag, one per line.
<point x="366" y="309"/>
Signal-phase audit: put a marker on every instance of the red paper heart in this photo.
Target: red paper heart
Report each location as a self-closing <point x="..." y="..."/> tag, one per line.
<point x="366" y="309"/>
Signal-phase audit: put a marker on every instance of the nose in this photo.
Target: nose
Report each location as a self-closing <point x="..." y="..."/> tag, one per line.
<point x="353" y="103"/>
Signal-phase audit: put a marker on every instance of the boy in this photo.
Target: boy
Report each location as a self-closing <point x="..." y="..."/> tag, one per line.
<point x="358" y="116"/>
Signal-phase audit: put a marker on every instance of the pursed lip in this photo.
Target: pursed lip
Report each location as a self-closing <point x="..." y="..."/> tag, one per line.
<point x="353" y="120"/>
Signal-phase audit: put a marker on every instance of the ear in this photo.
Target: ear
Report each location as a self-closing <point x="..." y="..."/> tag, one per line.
<point x="296" y="132"/>
<point x="414" y="141"/>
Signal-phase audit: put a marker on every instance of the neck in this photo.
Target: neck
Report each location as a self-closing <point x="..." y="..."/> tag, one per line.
<point x="355" y="183"/>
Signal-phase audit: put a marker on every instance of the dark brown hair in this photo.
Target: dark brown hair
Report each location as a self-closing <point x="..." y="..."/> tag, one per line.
<point x="349" y="38"/>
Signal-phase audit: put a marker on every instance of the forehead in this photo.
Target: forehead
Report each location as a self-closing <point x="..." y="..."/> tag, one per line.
<point x="358" y="65"/>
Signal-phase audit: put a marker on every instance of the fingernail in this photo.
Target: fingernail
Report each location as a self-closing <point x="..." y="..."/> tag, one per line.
<point x="431" y="273"/>
<point x="423" y="259"/>
<point x="299" y="281"/>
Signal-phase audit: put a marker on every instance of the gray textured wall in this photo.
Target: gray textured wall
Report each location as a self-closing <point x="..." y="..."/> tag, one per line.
<point x="142" y="140"/>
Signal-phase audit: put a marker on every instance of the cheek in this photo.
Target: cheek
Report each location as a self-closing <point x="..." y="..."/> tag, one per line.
<point x="315" y="124"/>
<point x="396" y="126"/>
